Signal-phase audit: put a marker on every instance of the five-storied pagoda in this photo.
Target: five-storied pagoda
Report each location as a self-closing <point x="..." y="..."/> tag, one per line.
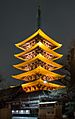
<point x="38" y="62"/>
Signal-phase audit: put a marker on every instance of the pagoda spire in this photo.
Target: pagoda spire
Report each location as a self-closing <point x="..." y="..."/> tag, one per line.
<point x="39" y="17"/>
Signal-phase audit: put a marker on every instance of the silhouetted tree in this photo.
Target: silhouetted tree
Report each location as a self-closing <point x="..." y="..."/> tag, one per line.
<point x="69" y="70"/>
<point x="69" y="81"/>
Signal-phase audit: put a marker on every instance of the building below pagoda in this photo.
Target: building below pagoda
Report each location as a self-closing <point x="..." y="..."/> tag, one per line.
<point x="15" y="102"/>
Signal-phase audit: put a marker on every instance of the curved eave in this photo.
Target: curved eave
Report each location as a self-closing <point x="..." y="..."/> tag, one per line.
<point x="42" y="34"/>
<point x="42" y="46"/>
<point x="41" y="82"/>
<point x="40" y="70"/>
<point x="41" y="54"/>
<point x="40" y="57"/>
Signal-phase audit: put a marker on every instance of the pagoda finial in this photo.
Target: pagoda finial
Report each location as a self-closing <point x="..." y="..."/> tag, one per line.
<point x="39" y="17"/>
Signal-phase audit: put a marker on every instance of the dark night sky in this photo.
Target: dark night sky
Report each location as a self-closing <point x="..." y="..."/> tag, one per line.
<point x="18" y="20"/>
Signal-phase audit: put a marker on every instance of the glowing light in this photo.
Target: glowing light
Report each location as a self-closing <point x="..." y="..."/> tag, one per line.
<point x="27" y="111"/>
<point x="21" y="111"/>
<point x="16" y="111"/>
<point x="53" y="102"/>
<point x="12" y="86"/>
<point x="45" y="81"/>
<point x="13" y="111"/>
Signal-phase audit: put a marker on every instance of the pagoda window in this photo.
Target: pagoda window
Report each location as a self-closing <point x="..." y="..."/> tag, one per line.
<point x="35" y="40"/>
<point x="34" y="87"/>
<point x="47" y="43"/>
<point x="35" y="52"/>
<point x="49" y="78"/>
<point x="29" y="55"/>
<point x="28" y="45"/>
<point x="48" y="55"/>
<point x="25" y="88"/>
<point x="37" y="63"/>
<point x="31" y="78"/>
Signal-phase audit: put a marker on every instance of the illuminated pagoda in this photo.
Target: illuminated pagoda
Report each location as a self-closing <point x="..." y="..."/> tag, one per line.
<point x="38" y="64"/>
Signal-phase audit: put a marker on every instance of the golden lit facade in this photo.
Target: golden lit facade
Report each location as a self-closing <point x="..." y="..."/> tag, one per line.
<point x="38" y="62"/>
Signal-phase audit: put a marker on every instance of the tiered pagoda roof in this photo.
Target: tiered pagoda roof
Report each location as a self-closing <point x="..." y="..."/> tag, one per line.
<point x="38" y="56"/>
